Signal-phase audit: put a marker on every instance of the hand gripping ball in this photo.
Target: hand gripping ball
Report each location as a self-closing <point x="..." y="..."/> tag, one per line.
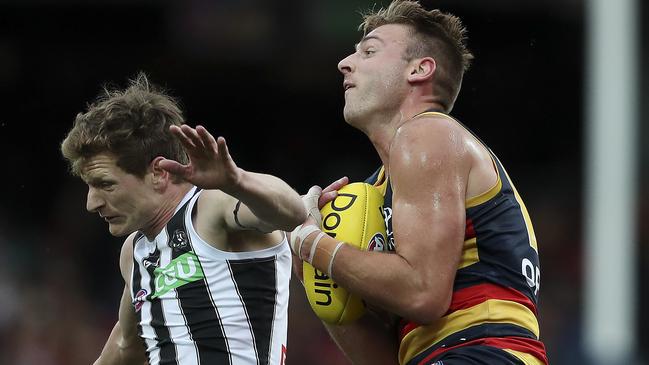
<point x="356" y="218"/>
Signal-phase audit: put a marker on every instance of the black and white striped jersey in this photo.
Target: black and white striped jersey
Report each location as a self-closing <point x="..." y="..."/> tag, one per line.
<point x="199" y="305"/>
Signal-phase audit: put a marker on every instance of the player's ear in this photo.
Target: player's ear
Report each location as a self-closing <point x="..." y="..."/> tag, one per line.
<point x="159" y="176"/>
<point x="422" y="69"/>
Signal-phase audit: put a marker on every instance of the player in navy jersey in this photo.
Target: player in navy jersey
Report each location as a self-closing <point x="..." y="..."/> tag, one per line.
<point x="462" y="281"/>
<point x="205" y="265"/>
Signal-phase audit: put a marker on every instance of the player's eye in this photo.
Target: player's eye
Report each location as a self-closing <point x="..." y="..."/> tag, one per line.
<point x="106" y="184"/>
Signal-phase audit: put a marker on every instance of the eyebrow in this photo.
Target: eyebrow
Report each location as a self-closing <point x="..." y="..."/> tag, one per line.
<point x="367" y="38"/>
<point x="95" y="179"/>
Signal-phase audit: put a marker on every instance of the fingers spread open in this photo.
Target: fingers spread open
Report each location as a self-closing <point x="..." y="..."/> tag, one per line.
<point x="223" y="147"/>
<point x="207" y="138"/>
<point x="193" y="136"/>
<point x="184" y="140"/>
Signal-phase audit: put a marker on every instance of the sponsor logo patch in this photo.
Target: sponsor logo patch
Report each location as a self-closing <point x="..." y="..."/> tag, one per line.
<point x="377" y="243"/>
<point x="140" y="297"/>
<point x="181" y="271"/>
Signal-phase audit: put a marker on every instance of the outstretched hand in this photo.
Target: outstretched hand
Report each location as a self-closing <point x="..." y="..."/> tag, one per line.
<point x="210" y="164"/>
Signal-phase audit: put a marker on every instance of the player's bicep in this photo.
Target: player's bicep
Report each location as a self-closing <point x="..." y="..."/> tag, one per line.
<point x="241" y="218"/>
<point x="429" y="237"/>
<point x="429" y="175"/>
<point x="217" y="211"/>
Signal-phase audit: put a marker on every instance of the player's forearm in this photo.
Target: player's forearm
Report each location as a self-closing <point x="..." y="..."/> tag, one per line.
<point x="270" y="199"/>
<point x="386" y="280"/>
<point x="366" y="341"/>
<point x="110" y="353"/>
<point x="120" y="357"/>
<point x="120" y="351"/>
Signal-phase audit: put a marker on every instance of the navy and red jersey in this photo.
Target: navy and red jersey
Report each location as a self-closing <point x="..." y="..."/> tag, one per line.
<point x="495" y="293"/>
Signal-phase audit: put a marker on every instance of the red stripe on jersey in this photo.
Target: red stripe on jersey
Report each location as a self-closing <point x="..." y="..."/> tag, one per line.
<point x="474" y="295"/>
<point x="469" y="231"/>
<point x="526" y="345"/>
<point x="405" y="328"/>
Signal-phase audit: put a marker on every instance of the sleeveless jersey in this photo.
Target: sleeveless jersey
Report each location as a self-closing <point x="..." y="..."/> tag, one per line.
<point x="198" y="305"/>
<point x="496" y="285"/>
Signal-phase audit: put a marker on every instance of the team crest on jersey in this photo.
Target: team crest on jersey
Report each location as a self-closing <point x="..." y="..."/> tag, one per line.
<point x="377" y="243"/>
<point x="179" y="240"/>
<point x="139" y="300"/>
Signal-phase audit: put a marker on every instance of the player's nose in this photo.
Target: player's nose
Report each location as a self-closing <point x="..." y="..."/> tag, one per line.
<point x="346" y="65"/>
<point x="93" y="200"/>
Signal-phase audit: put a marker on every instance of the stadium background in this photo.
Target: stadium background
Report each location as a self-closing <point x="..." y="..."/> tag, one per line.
<point x="263" y="74"/>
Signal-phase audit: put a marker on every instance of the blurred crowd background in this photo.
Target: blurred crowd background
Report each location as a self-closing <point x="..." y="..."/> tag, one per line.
<point x="263" y="74"/>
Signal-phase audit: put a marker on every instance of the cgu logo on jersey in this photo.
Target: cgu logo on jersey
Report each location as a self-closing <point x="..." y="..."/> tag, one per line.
<point x="182" y="270"/>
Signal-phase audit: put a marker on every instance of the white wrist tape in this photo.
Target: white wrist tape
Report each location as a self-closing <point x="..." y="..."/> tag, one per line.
<point x="313" y="246"/>
<point x="298" y="235"/>
<point x="310" y="201"/>
<point x="331" y="260"/>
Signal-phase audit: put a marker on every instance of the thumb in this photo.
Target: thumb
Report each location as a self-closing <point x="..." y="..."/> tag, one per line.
<point x="174" y="167"/>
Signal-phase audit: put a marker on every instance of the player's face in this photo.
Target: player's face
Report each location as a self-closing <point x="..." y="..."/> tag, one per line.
<point x="125" y="201"/>
<point x="376" y="74"/>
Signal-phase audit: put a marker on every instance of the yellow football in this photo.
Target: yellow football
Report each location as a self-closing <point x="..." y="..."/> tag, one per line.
<point x="356" y="218"/>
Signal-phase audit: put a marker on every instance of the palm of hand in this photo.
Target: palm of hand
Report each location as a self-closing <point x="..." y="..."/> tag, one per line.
<point x="210" y="164"/>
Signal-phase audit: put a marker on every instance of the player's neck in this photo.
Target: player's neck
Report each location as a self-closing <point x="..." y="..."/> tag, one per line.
<point x="168" y="203"/>
<point x="383" y="131"/>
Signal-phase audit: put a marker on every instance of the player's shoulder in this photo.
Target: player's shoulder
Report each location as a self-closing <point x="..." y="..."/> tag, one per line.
<point x="213" y="195"/>
<point x="126" y="254"/>
<point x="429" y="132"/>
<point x="429" y="125"/>
<point x="429" y="143"/>
<point x="212" y="210"/>
<point x="212" y="202"/>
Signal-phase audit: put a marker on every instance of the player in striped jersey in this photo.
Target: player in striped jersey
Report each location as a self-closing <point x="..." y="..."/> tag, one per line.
<point x="205" y="265"/>
<point x="464" y="277"/>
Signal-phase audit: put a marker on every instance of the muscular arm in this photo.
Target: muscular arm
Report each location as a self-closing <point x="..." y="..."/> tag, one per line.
<point x="267" y="203"/>
<point x="124" y="346"/>
<point x="370" y="340"/>
<point x="429" y="169"/>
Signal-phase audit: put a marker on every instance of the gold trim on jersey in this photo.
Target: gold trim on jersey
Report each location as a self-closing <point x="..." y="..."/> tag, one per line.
<point x="489" y="311"/>
<point x="491" y="192"/>
<point x="527" y="359"/>
<point x="526" y="215"/>
<point x="469" y="253"/>
<point x="487" y="195"/>
<point x="381" y="182"/>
